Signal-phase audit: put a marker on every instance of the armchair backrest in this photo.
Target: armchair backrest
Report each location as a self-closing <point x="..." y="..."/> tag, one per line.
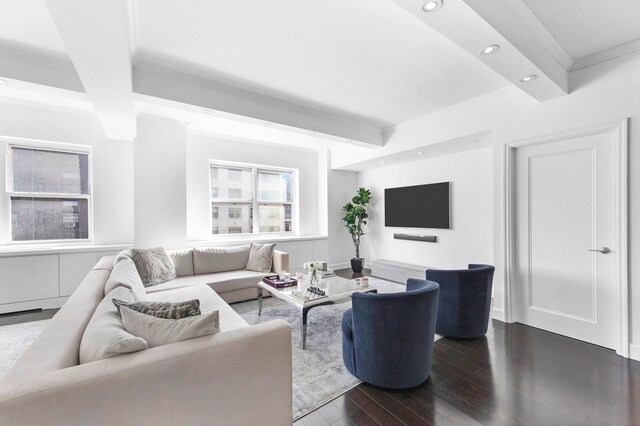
<point x="392" y="328"/>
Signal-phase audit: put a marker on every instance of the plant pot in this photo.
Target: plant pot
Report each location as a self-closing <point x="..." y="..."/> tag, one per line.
<point x="357" y="264"/>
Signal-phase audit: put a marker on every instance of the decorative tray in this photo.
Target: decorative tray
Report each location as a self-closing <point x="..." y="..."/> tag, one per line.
<point x="275" y="281"/>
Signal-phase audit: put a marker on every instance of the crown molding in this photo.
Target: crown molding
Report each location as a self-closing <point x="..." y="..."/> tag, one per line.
<point x="606" y="55"/>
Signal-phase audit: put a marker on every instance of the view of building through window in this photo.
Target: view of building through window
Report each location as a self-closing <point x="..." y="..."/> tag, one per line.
<point x="233" y="202"/>
<point x="49" y="195"/>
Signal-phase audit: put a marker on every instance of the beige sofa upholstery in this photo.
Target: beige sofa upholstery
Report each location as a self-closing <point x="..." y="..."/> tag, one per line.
<point x="238" y="376"/>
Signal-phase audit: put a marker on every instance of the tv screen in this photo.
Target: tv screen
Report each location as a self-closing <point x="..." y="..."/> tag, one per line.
<point x="420" y="206"/>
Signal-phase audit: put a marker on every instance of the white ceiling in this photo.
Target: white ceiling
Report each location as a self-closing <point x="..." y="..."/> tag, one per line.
<point x="364" y="57"/>
<point x="587" y="27"/>
<point x="335" y="69"/>
<point x="27" y="24"/>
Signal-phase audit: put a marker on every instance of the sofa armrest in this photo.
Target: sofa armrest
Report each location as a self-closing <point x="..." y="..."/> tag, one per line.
<point x="280" y="261"/>
<point x="238" y="377"/>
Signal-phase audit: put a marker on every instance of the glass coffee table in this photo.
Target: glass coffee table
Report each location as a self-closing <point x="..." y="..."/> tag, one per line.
<point x="337" y="290"/>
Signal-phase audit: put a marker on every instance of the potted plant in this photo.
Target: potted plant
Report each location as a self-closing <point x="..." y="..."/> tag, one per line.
<point x="355" y="217"/>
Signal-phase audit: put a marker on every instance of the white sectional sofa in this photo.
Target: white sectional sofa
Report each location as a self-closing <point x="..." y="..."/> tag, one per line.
<point x="240" y="375"/>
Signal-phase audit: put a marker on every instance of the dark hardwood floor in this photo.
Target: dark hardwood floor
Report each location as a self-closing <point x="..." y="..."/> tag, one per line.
<point x="26" y="316"/>
<point x="516" y="375"/>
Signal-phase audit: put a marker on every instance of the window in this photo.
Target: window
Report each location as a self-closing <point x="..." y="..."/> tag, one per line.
<point x="248" y="188"/>
<point x="49" y="194"/>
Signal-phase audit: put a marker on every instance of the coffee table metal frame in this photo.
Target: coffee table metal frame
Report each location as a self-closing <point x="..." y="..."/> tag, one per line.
<point x="305" y="306"/>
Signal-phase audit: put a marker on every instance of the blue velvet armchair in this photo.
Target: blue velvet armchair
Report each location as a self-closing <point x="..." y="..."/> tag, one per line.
<point x="465" y="300"/>
<point x="387" y="338"/>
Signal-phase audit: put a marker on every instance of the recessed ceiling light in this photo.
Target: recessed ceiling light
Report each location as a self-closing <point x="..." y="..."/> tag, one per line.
<point x="431" y="6"/>
<point x="267" y="123"/>
<point x="490" y="50"/>
<point x="420" y="153"/>
<point x="528" y="78"/>
<point x="208" y="111"/>
<point x="381" y="161"/>
<point x="3" y="81"/>
<point x="474" y="141"/>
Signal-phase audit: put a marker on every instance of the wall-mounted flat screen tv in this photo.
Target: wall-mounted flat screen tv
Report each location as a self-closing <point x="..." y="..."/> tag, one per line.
<point x="420" y="206"/>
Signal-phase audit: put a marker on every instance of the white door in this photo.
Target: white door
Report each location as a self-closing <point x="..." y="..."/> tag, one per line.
<point x="565" y="212"/>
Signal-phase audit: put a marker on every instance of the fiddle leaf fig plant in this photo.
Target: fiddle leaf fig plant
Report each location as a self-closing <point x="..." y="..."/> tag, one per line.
<point x="355" y="216"/>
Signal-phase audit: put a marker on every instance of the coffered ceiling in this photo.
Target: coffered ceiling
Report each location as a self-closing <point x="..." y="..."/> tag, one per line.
<point x="343" y="71"/>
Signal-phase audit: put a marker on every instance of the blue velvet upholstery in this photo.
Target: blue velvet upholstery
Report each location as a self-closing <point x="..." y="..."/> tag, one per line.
<point x="465" y="300"/>
<point x="387" y="338"/>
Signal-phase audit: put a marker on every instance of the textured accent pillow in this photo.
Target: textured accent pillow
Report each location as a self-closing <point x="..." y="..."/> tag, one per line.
<point x="220" y="259"/>
<point x="154" y="265"/>
<point x="125" y="274"/>
<point x="105" y="336"/>
<point x="260" y="257"/>
<point x="165" y="310"/>
<point x="160" y="331"/>
<point x="182" y="262"/>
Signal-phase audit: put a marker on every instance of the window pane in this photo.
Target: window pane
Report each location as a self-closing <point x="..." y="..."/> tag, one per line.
<point x="275" y="218"/>
<point x="231" y="218"/>
<point x="275" y="186"/>
<point x="231" y="183"/>
<point x="41" y="171"/>
<point x="35" y="219"/>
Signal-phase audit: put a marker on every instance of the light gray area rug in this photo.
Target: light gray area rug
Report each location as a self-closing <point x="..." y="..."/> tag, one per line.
<point x="15" y="339"/>
<point x="319" y="374"/>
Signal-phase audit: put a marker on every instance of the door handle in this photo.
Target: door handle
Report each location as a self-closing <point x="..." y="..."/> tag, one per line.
<point x="603" y="250"/>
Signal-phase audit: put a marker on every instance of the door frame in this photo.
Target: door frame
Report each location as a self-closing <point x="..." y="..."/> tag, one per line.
<point x="619" y="128"/>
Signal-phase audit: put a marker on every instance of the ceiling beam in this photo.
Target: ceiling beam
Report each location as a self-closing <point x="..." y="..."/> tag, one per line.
<point x="476" y="24"/>
<point x="97" y="35"/>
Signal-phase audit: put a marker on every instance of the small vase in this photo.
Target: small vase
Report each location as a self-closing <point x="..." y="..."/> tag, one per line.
<point x="315" y="277"/>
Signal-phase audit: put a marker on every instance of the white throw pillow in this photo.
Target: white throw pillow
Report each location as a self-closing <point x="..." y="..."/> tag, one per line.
<point x="160" y="331"/>
<point x="220" y="259"/>
<point x="105" y="336"/>
<point x="125" y="274"/>
<point x="182" y="262"/>
<point x="260" y="257"/>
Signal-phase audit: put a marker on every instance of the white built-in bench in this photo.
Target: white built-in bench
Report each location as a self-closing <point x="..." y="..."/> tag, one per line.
<point x="397" y="271"/>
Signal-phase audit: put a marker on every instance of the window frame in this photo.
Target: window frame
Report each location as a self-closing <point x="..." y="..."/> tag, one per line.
<point x="255" y="203"/>
<point x="10" y="193"/>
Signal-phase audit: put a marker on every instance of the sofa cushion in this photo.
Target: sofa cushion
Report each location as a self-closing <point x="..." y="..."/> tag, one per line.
<point x="209" y="302"/>
<point x="260" y="257"/>
<point x="105" y="337"/>
<point x="154" y="265"/>
<point x="182" y="262"/>
<point x="161" y="331"/>
<point x="220" y="282"/>
<point x="220" y="259"/>
<point x="125" y="274"/>
<point x="167" y="310"/>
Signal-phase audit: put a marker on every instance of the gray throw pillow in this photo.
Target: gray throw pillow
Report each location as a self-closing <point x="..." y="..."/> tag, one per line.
<point x="154" y="265"/>
<point x="105" y="336"/>
<point x="260" y="257"/>
<point x="160" y="331"/>
<point x="165" y="310"/>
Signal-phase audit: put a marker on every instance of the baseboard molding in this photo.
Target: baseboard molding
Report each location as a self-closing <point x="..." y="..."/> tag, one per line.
<point x="497" y="314"/>
<point x="53" y="303"/>
<point x="634" y="352"/>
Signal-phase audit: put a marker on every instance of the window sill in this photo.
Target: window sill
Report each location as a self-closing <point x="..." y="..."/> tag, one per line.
<point x="30" y="250"/>
<point x="254" y="239"/>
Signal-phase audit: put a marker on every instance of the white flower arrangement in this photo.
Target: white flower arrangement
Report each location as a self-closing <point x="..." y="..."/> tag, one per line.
<point x="314" y="265"/>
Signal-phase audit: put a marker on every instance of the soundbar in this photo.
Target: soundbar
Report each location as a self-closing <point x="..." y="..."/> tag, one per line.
<point x="425" y="238"/>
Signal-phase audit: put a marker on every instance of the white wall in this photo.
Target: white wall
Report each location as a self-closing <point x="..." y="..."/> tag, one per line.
<point x="342" y="187"/>
<point x="470" y="239"/>
<point x="202" y="148"/>
<point x="160" y="183"/>
<point x="112" y="164"/>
